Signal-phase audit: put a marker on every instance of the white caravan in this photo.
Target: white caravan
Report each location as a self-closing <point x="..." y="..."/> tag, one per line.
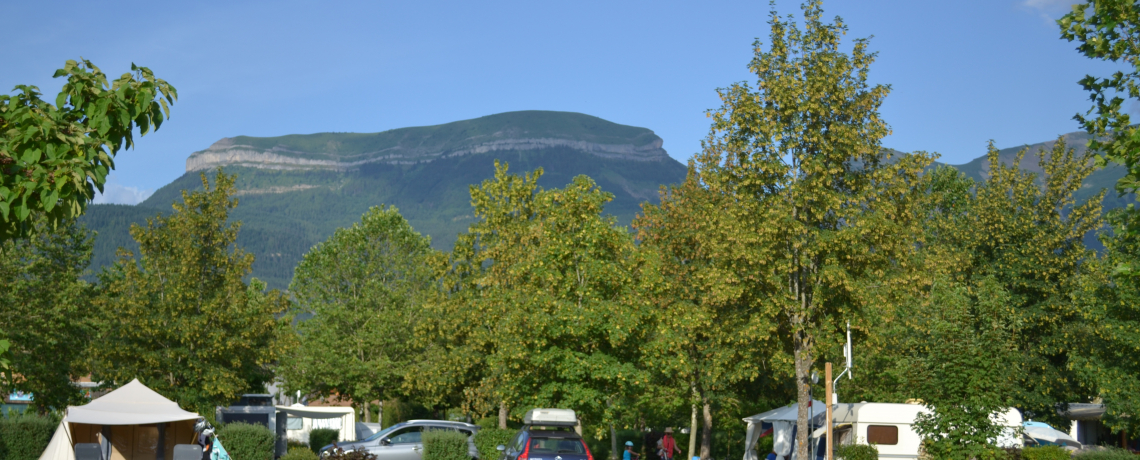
<point x="887" y="425"/>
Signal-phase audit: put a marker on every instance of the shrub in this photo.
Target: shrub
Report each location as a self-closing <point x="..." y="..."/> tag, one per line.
<point x="1111" y="453"/>
<point x="248" y="442"/>
<point x="299" y="453"/>
<point x="1012" y="453"/>
<point x="857" y="452"/>
<point x="445" y="445"/>
<point x="488" y="439"/>
<point x="321" y="437"/>
<point x="24" y="437"/>
<point x="1044" y="453"/>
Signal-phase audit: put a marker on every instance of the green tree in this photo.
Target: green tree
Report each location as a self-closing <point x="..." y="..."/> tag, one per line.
<point x="364" y="288"/>
<point x="1109" y="30"/>
<point x="1110" y="327"/>
<point x="963" y="358"/>
<point x="179" y="317"/>
<point x="551" y="305"/>
<point x="707" y="341"/>
<point x="817" y="214"/>
<point x="1026" y="233"/>
<point x="45" y="309"/>
<point x="54" y="157"/>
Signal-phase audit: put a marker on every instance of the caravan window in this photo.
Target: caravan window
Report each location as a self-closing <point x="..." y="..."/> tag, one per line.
<point x="883" y="434"/>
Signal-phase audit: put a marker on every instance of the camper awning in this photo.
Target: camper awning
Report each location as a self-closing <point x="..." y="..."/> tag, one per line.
<point x="131" y="404"/>
<point x="789" y="413"/>
<point x="298" y="410"/>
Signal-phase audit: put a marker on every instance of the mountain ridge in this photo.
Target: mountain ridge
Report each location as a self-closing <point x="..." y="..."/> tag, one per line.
<point x="304" y="186"/>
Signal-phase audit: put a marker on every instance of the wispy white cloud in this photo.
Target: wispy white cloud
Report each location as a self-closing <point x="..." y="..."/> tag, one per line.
<point x="115" y="193"/>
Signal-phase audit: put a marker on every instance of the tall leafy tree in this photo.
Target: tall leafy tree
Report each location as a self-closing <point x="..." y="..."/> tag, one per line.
<point x="817" y="212"/>
<point x="1025" y="232"/>
<point x="962" y="360"/>
<point x="550" y="304"/>
<point x="54" y="157"/>
<point x="707" y="340"/>
<point x="179" y="317"/>
<point x="45" y="309"/>
<point x="364" y="288"/>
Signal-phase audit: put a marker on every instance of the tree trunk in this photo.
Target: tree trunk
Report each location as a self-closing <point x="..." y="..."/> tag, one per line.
<point x="803" y="362"/>
<point x="613" y="443"/>
<point x="367" y="412"/>
<point x="693" y="434"/>
<point x="706" y="430"/>
<point x="502" y="415"/>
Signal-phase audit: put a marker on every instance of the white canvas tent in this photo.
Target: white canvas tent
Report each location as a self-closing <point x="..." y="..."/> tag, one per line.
<point x="139" y="424"/>
<point x="782" y="421"/>
<point x="337" y="418"/>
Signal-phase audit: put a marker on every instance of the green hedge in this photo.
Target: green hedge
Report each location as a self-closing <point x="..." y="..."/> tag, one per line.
<point x="299" y="453"/>
<point x="445" y="445"/>
<point x="248" y="442"/>
<point x="1044" y="453"/>
<point x="24" y="437"/>
<point x="488" y="439"/>
<point x="857" y="452"/>
<point x="1111" y="453"/>
<point x="321" y="437"/>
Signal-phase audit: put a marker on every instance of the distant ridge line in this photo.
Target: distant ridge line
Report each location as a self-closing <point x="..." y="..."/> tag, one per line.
<point x="227" y="153"/>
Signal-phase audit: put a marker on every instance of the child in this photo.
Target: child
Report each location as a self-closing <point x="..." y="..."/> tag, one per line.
<point x="629" y="453"/>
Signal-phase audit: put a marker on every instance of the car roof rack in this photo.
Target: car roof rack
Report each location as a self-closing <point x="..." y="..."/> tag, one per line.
<point x="551" y="417"/>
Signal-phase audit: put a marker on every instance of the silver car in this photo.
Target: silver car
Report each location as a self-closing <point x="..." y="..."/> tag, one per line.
<point x="402" y="441"/>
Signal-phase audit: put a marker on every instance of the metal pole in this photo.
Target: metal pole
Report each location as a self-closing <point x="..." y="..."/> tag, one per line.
<point x="829" y="392"/>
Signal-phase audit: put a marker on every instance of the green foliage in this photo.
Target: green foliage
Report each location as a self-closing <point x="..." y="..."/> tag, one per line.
<point x="45" y="309"/>
<point x="559" y="301"/>
<point x="856" y="452"/>
<point x="1103" y="453"/>
<point x="398" y="410"/>
<point x="445" y="445"/>
<point x="1045" y="453"/>
<point x="963" y="362"/>
<point x="321" y="437"/>
<point x="1110" y="326"/>
<point x="248" y="441"/>
<point x="25" y="437"/>
<point x="1104" y="29"/>
<point x="488" y="439"/>
<point x="299" y="453"/>
<point x="363" y="288"/>
<point x="179" y="310"/>
<point x="54" y="157"/>
<point x="813" y="215"/>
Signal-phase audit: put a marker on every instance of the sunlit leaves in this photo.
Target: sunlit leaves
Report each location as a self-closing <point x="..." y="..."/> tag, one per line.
<point x="364" y="288"/>
<point x="53" y="158"/>
<point x="178" y="316"/>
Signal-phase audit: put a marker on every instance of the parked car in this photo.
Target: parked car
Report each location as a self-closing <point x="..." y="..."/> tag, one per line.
<point x="402" y="441"/>
<point x="547" y="434"/>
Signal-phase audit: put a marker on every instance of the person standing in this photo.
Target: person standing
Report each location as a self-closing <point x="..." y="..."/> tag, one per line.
<point x="668" y="445"/>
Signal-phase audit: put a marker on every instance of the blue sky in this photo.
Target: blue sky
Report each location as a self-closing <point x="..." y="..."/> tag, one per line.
<point x="962" y="72"/>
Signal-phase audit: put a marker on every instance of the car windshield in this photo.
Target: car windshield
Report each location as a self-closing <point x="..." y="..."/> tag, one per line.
<point x="382" y="433"/>
<point x="557" y="446"/>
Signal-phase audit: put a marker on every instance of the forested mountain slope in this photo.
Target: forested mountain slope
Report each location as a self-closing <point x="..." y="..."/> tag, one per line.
<point x="295" y="190"/>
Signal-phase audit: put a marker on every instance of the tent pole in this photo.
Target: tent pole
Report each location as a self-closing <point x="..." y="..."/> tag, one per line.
<point x="827" y="401"/>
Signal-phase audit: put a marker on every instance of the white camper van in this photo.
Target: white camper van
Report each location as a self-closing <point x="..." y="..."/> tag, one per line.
<point x="887" y="425"/>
